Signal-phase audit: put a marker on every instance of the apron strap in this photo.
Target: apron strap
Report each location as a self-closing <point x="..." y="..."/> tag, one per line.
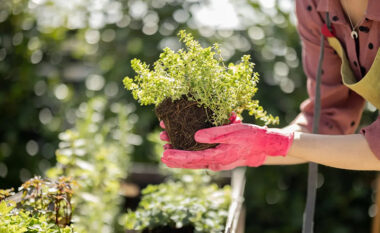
<point x="312" y="180"/>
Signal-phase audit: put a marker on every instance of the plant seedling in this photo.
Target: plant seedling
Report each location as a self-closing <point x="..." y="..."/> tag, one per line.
<point x="193" y="89"/>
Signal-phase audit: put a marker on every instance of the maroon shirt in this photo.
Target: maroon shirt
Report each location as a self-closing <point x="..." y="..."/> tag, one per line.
<point x="341" y="108"/>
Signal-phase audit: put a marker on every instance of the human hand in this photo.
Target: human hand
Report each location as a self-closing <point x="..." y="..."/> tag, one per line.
<point x="234" y="119"/>
<point x="165" y="137"/>
<point x="239" y="145"/>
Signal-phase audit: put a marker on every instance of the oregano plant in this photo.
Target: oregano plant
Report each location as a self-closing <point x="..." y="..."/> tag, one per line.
<point x="198" y="76"/>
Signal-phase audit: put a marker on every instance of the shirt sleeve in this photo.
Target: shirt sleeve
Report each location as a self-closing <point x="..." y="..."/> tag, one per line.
<point x="341" y="108"/>
<point x="372" y="134"/>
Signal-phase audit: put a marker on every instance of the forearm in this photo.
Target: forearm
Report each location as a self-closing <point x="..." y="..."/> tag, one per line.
<point x="339" y="151"/>
<point x="287" y="160"/>
<point x="280" y="160"/>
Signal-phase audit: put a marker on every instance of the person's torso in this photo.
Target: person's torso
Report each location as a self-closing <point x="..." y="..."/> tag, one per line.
<point x="362" y="51"/>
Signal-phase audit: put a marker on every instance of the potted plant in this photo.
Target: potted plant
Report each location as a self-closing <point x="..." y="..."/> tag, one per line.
<point x="193" y="89"/>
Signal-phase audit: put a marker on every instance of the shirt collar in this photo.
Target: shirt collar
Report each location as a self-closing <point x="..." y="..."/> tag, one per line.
<point x="335" y="9"/>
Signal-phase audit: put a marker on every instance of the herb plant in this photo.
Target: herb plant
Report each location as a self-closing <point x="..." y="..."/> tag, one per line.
<point x="192" y="201"/>
<point x="199" y="74"/>
<point x="42" y="205"/>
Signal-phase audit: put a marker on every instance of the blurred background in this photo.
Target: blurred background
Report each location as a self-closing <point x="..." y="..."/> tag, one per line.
<point x="58" y="58"/>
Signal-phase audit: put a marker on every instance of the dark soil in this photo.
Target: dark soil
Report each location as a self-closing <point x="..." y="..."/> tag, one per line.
<point x="182" y="118"/>
<point x="187" y="229"/>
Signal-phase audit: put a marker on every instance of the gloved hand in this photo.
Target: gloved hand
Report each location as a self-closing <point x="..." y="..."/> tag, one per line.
<point x="239" y="145"/>
<point x="234" y="119"/>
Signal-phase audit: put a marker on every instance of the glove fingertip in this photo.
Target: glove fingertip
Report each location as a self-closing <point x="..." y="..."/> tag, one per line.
<point x="168" y="146"/>
<point x="167" y="161"/>
<point x="166" y="153"/>
<point x="171" y="153"/>
<point x="162" y="124"/>
<point x="164" y="136"/>
<point x="203" y="137"/>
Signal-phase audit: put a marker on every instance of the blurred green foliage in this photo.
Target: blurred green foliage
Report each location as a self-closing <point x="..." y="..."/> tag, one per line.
<point x="192" y="201"/>
<point x="95" y="153"/>
<point x="55" y="56"/>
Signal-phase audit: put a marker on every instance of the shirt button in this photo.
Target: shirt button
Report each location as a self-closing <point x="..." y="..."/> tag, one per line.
<point x="363" y="29"/>
<point x="362" y="70"/>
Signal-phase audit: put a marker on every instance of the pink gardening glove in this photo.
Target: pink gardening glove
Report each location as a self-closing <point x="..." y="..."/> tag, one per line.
<point x="239" y="145"/>
<point x="234" y="119"/>
<point x="165" y="137"/>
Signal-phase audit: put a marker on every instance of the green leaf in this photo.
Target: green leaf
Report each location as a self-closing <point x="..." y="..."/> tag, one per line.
<point x="200" y="74"/>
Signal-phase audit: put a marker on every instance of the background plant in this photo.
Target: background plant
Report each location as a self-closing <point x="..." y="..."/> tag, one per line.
<point x="20" y="221"/>
<point x="199" y="74"/>
<point x="42" y="205"/>
<point x="191" y="201"/>
<point x="95" y="153"/>
<point x="49" y="197"/>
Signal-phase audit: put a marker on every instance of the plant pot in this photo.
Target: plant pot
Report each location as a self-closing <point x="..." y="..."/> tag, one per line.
<point x="182" y="118"/>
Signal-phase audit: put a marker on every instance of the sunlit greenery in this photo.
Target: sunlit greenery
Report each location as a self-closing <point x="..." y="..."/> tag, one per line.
<point x="20" y="221"/>
<point x="56" y="57"/>
<point x="95" y="153"/>
<point x="191" y="201"/>
<point x="40" y="206"/>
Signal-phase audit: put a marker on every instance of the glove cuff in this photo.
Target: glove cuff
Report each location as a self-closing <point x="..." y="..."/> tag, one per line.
<point x="279" y="143"/>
